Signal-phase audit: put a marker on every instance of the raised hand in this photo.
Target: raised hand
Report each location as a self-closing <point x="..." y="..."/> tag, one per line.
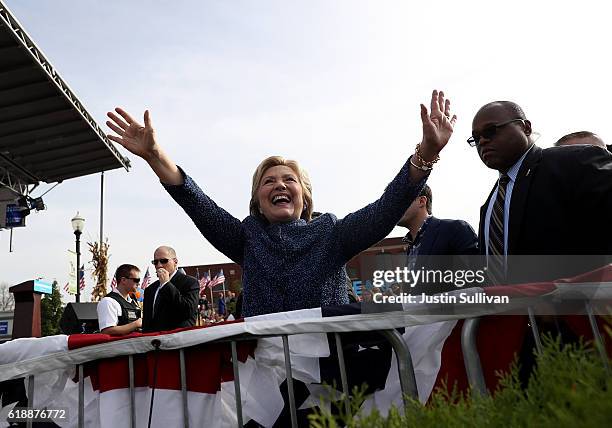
<point x="163" y="275"/>
<point x="437" y="125"/>
<point x="138" y="139"/>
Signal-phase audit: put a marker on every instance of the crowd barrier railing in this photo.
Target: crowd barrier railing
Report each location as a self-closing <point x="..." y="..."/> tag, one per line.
<point x="386" y="323"/>
<point x="473" y="366"/>
<point x="402" y="356"/>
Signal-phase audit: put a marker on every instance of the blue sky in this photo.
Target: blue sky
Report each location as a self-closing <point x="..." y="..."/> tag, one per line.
<point x="333" y="84"/>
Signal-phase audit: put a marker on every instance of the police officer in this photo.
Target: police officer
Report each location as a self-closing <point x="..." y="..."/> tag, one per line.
<point x="117" y="312"/>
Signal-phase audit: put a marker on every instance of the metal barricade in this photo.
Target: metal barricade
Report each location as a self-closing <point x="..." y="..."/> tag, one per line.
<point x="406" y="372"/>
<point x="471" y="358"/>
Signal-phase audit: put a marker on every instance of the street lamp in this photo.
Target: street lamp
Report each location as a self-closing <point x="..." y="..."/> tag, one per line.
<point x="78" y="223"/>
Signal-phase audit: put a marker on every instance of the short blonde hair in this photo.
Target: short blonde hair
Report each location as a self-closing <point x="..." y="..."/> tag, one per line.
<point x="303" y="179"/>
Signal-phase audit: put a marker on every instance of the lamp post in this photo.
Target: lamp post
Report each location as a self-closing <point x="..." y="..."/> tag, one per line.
<point x="78" y="223"/>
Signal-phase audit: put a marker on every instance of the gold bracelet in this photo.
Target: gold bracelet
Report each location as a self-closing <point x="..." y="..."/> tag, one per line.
<point x="419" y="156"/>
<point x="422" y="168"/>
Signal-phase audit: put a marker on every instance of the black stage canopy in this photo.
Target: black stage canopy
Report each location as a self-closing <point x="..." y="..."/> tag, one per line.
<point x="46" y="135"/>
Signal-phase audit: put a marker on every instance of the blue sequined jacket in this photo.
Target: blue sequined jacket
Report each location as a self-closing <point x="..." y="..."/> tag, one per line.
<point x="295" y="265"/>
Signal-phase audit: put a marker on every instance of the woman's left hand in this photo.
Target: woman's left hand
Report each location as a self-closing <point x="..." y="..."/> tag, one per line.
<point x="437" y="125"/>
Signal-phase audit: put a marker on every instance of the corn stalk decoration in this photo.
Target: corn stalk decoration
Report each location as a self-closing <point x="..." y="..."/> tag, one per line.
<point x="99" y="260"/>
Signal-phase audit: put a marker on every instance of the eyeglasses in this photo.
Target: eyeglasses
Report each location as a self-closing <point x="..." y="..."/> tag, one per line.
<point x="489" y="132"/>
<point x="136" y="280"/>
<point x="162" y="261"/>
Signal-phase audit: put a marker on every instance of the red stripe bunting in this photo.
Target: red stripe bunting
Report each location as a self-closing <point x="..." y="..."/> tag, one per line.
<point x="207" y="365"/>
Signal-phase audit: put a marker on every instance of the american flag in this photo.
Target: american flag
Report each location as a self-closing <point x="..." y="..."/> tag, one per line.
<point x="145" y="280"/>
<point x="204" y="281"/>
<point x="67" y="287"/>
<point x="113" y="283"/>
<point x="82" y="277"/>
<point x="218" y="279"/>
<point x="139" y="295"/>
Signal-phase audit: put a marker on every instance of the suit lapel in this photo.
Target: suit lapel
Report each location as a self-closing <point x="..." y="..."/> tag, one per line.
<point x="175" y="280"/>
<point x="431" y="233"/>
<point x="519" y="195"/>
<point x="483" y="213"/>
<point x="149" y="307"/>
<point x="156" y="304"/>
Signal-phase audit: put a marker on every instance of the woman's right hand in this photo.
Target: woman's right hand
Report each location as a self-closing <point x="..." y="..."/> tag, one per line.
<point x="437" y="125"/>
<point x="140" y="140"/>
<point x="137" y="139"/>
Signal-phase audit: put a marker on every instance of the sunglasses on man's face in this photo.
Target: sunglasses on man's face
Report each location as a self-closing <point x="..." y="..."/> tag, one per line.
<point x="489" y="132"/>
<point x="162" y="261"/>
<point x="136" y="280"/>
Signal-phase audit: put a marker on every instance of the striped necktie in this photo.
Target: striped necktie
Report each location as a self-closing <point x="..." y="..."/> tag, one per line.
<point x="495" y="262"/>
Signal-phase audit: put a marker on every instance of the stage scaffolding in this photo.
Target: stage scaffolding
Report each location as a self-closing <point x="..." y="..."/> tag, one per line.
<point x="46" y="134"/>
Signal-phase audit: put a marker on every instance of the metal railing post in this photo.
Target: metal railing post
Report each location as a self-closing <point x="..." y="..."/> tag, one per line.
<point x="184" y="388"/>
<point x="408" y="382"/>
<point x="237" y="384"/>
<point x="30" y="398"/>
<point x="81" y="421"/>
<point x="343" y="378"/>
<point x="599" y="344"/>
<point x="534" y="330"/>
<point x="132" y="392"/>
<point x="290" y="392"/>
<point x="471" y="359"/>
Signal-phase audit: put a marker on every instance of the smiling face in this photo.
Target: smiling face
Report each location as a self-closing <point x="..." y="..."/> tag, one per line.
<point x="508" y="142"/>
<point x="291" y="189"/>
<point x="279" y="195"/>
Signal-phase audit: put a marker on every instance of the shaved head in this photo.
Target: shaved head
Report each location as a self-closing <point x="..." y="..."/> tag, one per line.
<point x="513" y="109"/>
<point x="581" y="138"/>
<point x="167" y="250"/>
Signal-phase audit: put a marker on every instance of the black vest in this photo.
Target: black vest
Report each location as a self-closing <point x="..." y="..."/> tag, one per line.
<point x="129" y="310"/>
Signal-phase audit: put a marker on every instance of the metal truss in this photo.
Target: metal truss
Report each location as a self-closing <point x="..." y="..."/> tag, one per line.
<point x="20" y="35"/>
<point x="14" y="184"/>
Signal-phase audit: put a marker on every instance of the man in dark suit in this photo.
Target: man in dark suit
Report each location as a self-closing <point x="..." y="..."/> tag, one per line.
<point x="435" y="243"/>
<point x="172" y="301"/>
<point x="555" y="201"/>
<point x="547" y="216"/>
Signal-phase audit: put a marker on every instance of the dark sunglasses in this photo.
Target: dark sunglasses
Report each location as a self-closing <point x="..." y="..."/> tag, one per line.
<point x="162" y="261"/>
<point x="136" y="280"/>
<point x="489" y="132"/>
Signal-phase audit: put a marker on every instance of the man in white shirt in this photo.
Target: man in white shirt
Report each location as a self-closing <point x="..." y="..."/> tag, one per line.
<point x="117" y="313"/>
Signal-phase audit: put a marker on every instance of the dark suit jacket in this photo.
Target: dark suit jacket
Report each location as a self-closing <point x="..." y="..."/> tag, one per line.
<point x="448" y="237"/>
<point x="561" y="205"/>
<point x="441" y="247"/>
<point x="176" y="305"/>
